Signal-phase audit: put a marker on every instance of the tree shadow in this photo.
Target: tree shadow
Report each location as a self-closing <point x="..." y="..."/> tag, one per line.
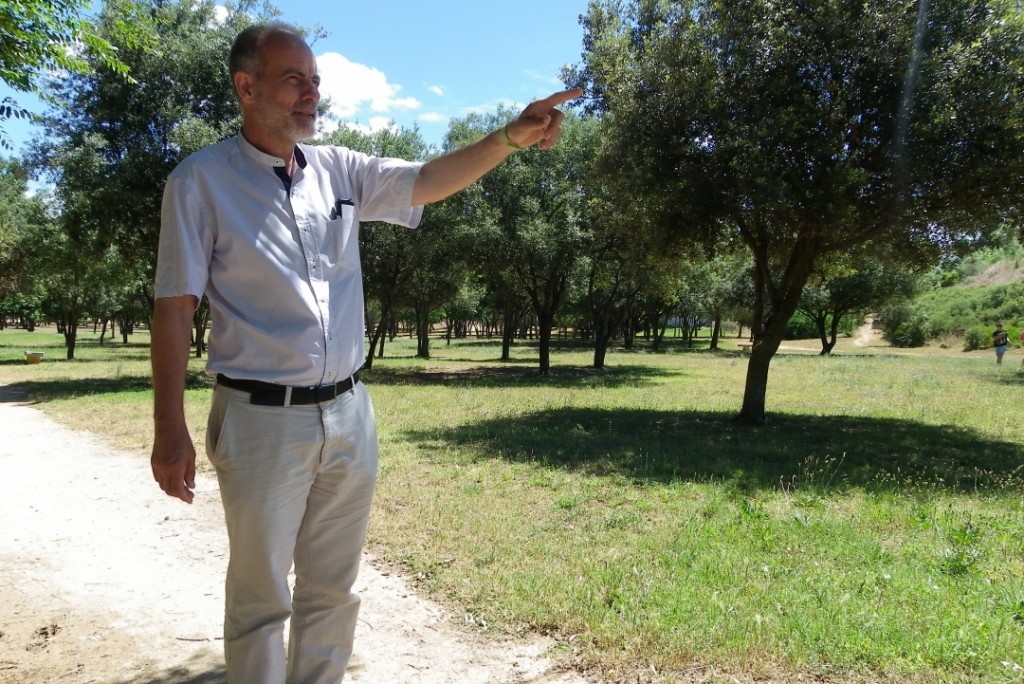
<point x="38" y="391"/>
<point x="511" y="376"/>
<point x="58" y="357"/>
<point x="1014" y="379"/>
<point x="819" y="453"/>
<point x="182" y="674"/>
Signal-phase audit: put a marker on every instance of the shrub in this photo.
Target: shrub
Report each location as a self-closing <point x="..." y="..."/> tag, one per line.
<point x="903" y="326"/>
<point x="975" y="339"/>
<point x="800" y="327"/>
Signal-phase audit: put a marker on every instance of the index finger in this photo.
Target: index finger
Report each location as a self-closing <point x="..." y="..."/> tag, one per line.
<point x="558" y="98"/>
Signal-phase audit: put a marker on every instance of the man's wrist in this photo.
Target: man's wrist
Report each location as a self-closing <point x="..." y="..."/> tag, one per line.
<point x="508" y="141"/>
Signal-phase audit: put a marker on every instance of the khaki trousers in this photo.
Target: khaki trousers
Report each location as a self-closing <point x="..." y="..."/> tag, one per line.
<point x="297" y="484"/>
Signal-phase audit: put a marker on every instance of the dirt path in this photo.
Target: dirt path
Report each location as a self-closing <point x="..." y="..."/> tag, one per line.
<point x="867" y="334"/>
<point x="104" y="579"/>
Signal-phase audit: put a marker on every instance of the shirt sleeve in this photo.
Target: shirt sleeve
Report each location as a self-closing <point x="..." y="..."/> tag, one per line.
<point x="186" y="238"/>
<point x="384" y="187"/>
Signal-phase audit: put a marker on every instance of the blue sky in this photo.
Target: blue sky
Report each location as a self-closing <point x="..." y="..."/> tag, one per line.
<point x="422" y="62"/>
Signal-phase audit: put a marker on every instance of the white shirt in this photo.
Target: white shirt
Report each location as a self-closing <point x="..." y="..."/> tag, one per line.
<point x="280" y="266"/>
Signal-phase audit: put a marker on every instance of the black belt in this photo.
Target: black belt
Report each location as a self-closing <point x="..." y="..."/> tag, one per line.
<point x="269" y="394"/>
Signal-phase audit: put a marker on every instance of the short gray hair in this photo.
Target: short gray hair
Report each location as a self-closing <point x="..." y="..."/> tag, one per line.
<point x="245" y="51"/>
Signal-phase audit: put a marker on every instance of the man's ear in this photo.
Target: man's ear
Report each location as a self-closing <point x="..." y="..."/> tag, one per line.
<point x="244" y="85"/>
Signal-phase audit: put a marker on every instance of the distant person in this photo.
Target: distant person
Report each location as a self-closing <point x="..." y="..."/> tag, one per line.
<point x="1001" y="340"/>
<point x="268" y="229"/>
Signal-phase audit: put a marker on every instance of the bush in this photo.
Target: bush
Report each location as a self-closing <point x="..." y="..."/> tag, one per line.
<point x="800" y="327"/>
<point x="975" y="339"/>
<point x="903" y="326"/>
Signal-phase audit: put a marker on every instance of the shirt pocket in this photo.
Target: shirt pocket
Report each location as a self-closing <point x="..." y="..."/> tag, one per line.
<point x="341" y="238"/>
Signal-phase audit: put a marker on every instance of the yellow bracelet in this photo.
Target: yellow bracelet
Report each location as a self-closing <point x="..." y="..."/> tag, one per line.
<point x="508" y="140"/>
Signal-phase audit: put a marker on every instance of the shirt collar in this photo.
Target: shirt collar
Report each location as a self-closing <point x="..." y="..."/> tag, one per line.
<point x="269" y="159"/>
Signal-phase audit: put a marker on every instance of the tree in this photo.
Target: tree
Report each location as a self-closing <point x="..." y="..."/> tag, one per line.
<point x="808" y="129"/>
<point x="22" y="219"/>
<point x="18" y="213"/>
<point x="851" y="289"/>
<point x="613" y="275"/>
<point x="537" y="198"/>
<point x="76" y="259"/>
<point x="41" y="36"/>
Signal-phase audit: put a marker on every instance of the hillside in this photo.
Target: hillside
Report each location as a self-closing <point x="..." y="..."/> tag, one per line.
<point x="1000" y="273"/>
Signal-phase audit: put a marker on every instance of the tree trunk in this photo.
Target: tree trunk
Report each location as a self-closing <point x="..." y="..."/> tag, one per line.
<point x="716" y="331"/>
<point x="70" y="338"/>
<point x="755" y="388"/>
<point x="423" y="332"/>
<point x="820" y="326"/>
<point x="602" y="338"/>
<point x="833" y="335"/>
<point x="628" y="331"/>
<point x="199" y="331"/>
<point x="376" y="334"/>
<point x="769" y="330"/>
<point x="658" y="333"/>
<point x="508" y="330"/>
<point x="544" y="324"/>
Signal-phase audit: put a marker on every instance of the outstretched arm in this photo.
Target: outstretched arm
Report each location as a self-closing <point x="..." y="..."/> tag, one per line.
<point x="540" y="123"/>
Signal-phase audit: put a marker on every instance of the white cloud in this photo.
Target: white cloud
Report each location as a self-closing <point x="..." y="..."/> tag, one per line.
<point x="220" y="12"/>
<point x="437" y="90"/>
<point x="355" y="88"/>
<point x="432" y="117"/>
<point x="547" y="79"/>
<point x="379" y="123"/>
<point x="493" y="106"/>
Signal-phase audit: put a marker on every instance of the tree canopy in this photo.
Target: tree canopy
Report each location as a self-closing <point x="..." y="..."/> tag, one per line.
<point x="39" y="37"/>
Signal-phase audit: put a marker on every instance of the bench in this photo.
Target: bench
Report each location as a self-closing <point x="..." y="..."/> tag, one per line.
<point x="747" y="347"/>
<point x="34" y="356"/>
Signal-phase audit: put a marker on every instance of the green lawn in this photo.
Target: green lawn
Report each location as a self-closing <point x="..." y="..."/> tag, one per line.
<point x="873" y="530"/>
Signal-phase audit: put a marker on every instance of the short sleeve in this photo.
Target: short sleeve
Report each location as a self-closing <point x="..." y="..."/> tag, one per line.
<point x="186" y="237"/>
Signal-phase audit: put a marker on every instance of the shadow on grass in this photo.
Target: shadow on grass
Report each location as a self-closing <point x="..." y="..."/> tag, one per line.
<point x="49" y="390"/>
<point x="59" y="358"/>
<point x="818" y="453"/>
<point x="513" y="374"/>
<point x="1013" y="379"/>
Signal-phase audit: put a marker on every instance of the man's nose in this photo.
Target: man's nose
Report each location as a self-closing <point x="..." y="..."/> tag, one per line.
<point x="311" y="92"/>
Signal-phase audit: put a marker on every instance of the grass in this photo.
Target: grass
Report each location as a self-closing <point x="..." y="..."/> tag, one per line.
<point x="872" y="531"/>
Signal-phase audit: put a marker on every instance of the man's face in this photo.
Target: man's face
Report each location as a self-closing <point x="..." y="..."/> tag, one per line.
<point x="283" y="98"/>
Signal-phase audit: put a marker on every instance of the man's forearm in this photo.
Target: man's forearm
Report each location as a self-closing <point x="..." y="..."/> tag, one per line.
<point x="169" y="351"/>
<point x="445" y="175"/>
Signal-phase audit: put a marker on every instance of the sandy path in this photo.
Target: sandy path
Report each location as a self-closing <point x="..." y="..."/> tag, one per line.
<point x="104" y="579"/>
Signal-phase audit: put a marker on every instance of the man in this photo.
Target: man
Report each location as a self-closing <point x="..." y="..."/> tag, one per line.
<point x="268" y="229"/>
